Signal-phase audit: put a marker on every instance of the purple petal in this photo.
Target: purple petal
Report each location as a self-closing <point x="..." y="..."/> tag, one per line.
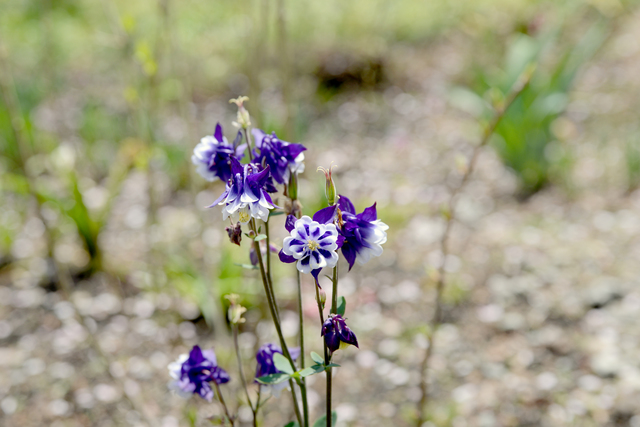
<point x="349" y="253"/>
<point x="369" y="214"/>
<point x="236" y="167"/>
<point x="290" y="223"/>
<point x="315" y="273"/>
<point x="326" y="215"/>
<point x="258" y="134"/>
<point x="218" y="133"/>
<point x="286" y="258"/>
<point x="345" y="205"/>
<point x="219" y="199"/>
<point x="340" y="241"/>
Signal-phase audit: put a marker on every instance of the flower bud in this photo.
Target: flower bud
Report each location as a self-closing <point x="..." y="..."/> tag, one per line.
<point x="337" y="334"/>
<point x="291" y="189"/>
<point x="235" y="233"/>
<point x="243" y="120"/>
<point x="329" y="188"/>
<point x="323" y="297"/>
<point x="235" y="309"/>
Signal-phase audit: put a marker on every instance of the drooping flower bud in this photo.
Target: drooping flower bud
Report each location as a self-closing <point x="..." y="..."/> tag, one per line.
<point x="337" y="334"/>
<point x="235" y="233"/>
<point x="322" y="296"/>
<point x="243" y="120"/>
<point x="329" y="188"/>
<point x="292" y="187"/>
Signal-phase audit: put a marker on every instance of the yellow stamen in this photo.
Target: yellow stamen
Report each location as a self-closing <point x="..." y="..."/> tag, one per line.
<point x="244" y="217"/>
<point x="312" y="245"/>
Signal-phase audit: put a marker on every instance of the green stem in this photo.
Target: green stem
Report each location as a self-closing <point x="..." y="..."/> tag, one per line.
<point x="248" y="139"/>
<point x="266" y="232"/>
<point x="327" y="356"/>
<point x="224" y="405"/>
<point x="303" y="382"/>
<point x="241" y="370"/>
<point x="274" y="314"/>
<point x="334" y="294"/>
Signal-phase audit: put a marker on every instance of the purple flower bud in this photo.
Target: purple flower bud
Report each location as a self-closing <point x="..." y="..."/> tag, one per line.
<point x="337" y="334"/>
<point x="193" y="372"/>
<point x="235" y="233"/>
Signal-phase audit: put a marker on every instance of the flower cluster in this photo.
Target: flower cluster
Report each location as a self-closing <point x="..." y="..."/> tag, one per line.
<point x="192" y="373"/>
<point x="282" y="157"/>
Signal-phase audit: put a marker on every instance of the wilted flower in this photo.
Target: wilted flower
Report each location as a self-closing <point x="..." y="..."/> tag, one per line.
<point x="235" y="233"/>
<point x="243" y="120"/>
<point x="363" y="233"/>
<point x="213" y="156"/>
<point x="193" y="372"/>
<point x="265" y="365"/>
<point x="337" y="334"/>
<point x="312" y="244"/>
<point x="246" y="195"/>
<point x="236" y="310"/>
<point x="282" y="157"/>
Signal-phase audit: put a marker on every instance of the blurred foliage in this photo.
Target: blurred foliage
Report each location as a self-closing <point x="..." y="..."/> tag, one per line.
<point x="524" y="138"/>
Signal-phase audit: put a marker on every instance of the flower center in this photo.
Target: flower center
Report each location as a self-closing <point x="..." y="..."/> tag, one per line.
<point x="244" y="216"/>
<point x="312" y="245"/>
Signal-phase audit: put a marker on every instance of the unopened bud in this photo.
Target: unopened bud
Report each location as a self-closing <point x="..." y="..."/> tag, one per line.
<point x="235" y="233"/>
<point x="235" y="309"/>
<point x="243" y="119"/>
<point x="323" y="297"/>
<point x="291" y="189"/>
<point x="329" y="188"/>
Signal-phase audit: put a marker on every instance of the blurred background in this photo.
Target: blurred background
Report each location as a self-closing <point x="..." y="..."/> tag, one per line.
<point x="110" y="267"/>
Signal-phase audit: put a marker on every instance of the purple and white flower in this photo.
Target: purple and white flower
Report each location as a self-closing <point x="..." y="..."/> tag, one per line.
<point x="246" y="194"/>
<point x="284" y="158"/>
<point x="192" y="373"/>
<point x="312" y="244"/>
<point x="364" y="234"/>
<point x="213" y="154"/>
<point x="265" y="365"/>
<point x="337" y="334"/>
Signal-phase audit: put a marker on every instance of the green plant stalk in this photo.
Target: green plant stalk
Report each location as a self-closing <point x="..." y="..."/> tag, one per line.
<point x="303" y="382"/>
<point x="327" y="356"/>
<point x="254" y="410"/>
<point x="224" y="405"/>
<point x="248" y="139"/>
<point x="516" y="90"/>
<point x="274" y="314"/>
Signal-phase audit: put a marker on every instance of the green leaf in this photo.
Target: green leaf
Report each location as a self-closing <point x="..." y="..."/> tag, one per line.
<point x="247" y="266"/>
<point x="282" y="364"/>
<point x="342" y="305"/>
<point x="273" y="378"/>
<point x="333" y="365"/>
<point x="276" y="213"/>
<point x="310" y="371"/>
<point x="322" y="421"/>
<point x="317" y="358"/>
<point x="293" y="424"/>
<point x="260" y="237"/>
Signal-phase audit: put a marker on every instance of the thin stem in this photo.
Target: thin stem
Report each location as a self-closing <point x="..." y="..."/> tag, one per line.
<point x="241" y="370"/>
<point x="248" y="139"/>
<point x="296" y="409"/>
<point x="224" y="405"/>
<point x="319" y="306"/>
<point x="276" y="320"/>
<point x="515" y="91"/>
<point x="303" y="382"/>
<point x="334" y="294"/>
<point x="266" y="232"/>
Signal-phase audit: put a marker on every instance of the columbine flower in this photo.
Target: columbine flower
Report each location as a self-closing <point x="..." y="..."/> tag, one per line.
<point x="213" y="156"/>
<point x="337" y="334"/>
<point x="312" y="244"/>
<point x="363" y="233"/>
<point x="265" y="366"/>
<point x="246" y="195"/>
<point x="193" y="372"/>
<point x="282" y="157"/>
